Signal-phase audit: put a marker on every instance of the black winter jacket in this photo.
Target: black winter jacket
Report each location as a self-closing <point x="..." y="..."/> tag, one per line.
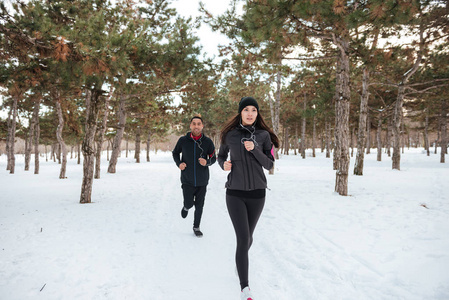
<point x="194" y="174"/>
<point x="247" y="173"/>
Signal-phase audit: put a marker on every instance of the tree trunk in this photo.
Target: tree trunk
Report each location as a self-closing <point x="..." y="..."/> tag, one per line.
<point x="60" y="139"/>
<point x="358" y="167"/>
<point x="336" y="155"/>
<point x="60" y="154"/>
<point x="12" y="137"/>
<point x="368" y="133"/>
<point x="438" y="138"/>
<point x="313" y="135"/>
<point x="109" y="143"/>
<point x="417" y="142"/>
<point x="148" y="145"/>
<point x="8" y="139"/>
<point x="389" y="135"/>
<point x="116" y="146"/>
<point x="397" y="129"/>
<point x="379" y="138"/>
<point x="29" y="144"/>
<point x="322" y="140"/>
<point x="435" y="147"/>
<point x="33" y="138"/>
<point x="327" y="125"/>
<point x="79" y="154"/>
<point x="443" y="131"/>
<point x="127" y="144"/>
<point x="296" y="139"/>
<point x="275" y="111"/>
<point x="57" y="152"/>
<point x="100" y="135"/>
<point x="92" y="109"/>
<point x="351" y="141"/>
<point x="303" y="128"/>
<point x="397" y="120"/>
<point x="284" y="139"/>
<point x="286" y="143"/>
<point x="137" y="151"/>
<point x="342" y="119"/>
<point x="37" y="133"/>
<point x="277" y="103"/>
<point x="426" y="134"/>
<point x="409" y="140"/>
<point x="98" y="150"/>
<point x="27" y="153"/>
<point x="52" y="152"/>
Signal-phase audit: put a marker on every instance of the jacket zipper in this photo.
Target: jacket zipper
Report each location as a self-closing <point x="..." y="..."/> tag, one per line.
<point x="194" y="164"/>
<point x="247" y="167"/>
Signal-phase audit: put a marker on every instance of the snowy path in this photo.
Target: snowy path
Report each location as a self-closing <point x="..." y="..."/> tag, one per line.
<point x="131" y="243"/>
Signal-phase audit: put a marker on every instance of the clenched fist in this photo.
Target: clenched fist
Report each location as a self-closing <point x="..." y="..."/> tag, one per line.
<point x="227" y="165"/>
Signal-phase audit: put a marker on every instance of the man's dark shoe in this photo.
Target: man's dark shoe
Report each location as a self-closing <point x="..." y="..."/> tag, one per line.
<point x="197" y="232"/>
<point x="184" y="212"/>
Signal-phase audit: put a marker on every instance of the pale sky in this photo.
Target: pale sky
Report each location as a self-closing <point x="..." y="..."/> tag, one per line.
<point x="208" y="39"/>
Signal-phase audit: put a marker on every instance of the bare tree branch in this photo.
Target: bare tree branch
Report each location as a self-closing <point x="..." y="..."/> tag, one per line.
<point x="415" y="91"/>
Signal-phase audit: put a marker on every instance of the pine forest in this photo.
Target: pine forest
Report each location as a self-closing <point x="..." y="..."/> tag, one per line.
<point x="81" y="77"/>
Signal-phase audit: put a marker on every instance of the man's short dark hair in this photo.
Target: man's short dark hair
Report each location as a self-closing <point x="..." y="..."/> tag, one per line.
<point x="196" y="117"/>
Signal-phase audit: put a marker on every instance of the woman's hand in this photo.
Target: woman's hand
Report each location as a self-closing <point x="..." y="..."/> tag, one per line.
<point x="227" y="165"/>
<point x="182" y="166"/>
<point x="249" y="145"/>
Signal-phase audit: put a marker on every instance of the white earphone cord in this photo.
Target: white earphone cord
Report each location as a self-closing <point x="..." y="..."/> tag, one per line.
<point x="252" y="136"/>
<point x="199" y="146"/>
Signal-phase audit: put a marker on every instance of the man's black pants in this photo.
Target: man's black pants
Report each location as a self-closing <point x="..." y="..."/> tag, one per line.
<point x="194" y="195"/>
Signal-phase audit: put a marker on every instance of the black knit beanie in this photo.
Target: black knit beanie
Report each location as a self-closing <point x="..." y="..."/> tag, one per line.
<point x="245" y="101"/>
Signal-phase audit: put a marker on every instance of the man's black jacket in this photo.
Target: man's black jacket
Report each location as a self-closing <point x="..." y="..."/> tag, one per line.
<point x="188" y="150"/>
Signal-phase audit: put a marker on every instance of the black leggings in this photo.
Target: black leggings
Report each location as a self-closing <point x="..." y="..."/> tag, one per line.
<point x="244" y="213"/>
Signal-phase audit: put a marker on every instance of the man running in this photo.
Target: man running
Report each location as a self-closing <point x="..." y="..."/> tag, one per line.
<point x="193" y="154"/>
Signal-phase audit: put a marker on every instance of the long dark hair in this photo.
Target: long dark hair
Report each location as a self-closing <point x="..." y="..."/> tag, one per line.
<point x="260" y="124"/>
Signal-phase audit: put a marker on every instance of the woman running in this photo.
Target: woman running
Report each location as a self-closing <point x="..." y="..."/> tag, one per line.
<point x="249" y="141"/>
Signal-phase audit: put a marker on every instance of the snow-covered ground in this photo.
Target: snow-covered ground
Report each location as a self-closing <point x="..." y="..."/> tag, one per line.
<point x="387" y="240"/>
